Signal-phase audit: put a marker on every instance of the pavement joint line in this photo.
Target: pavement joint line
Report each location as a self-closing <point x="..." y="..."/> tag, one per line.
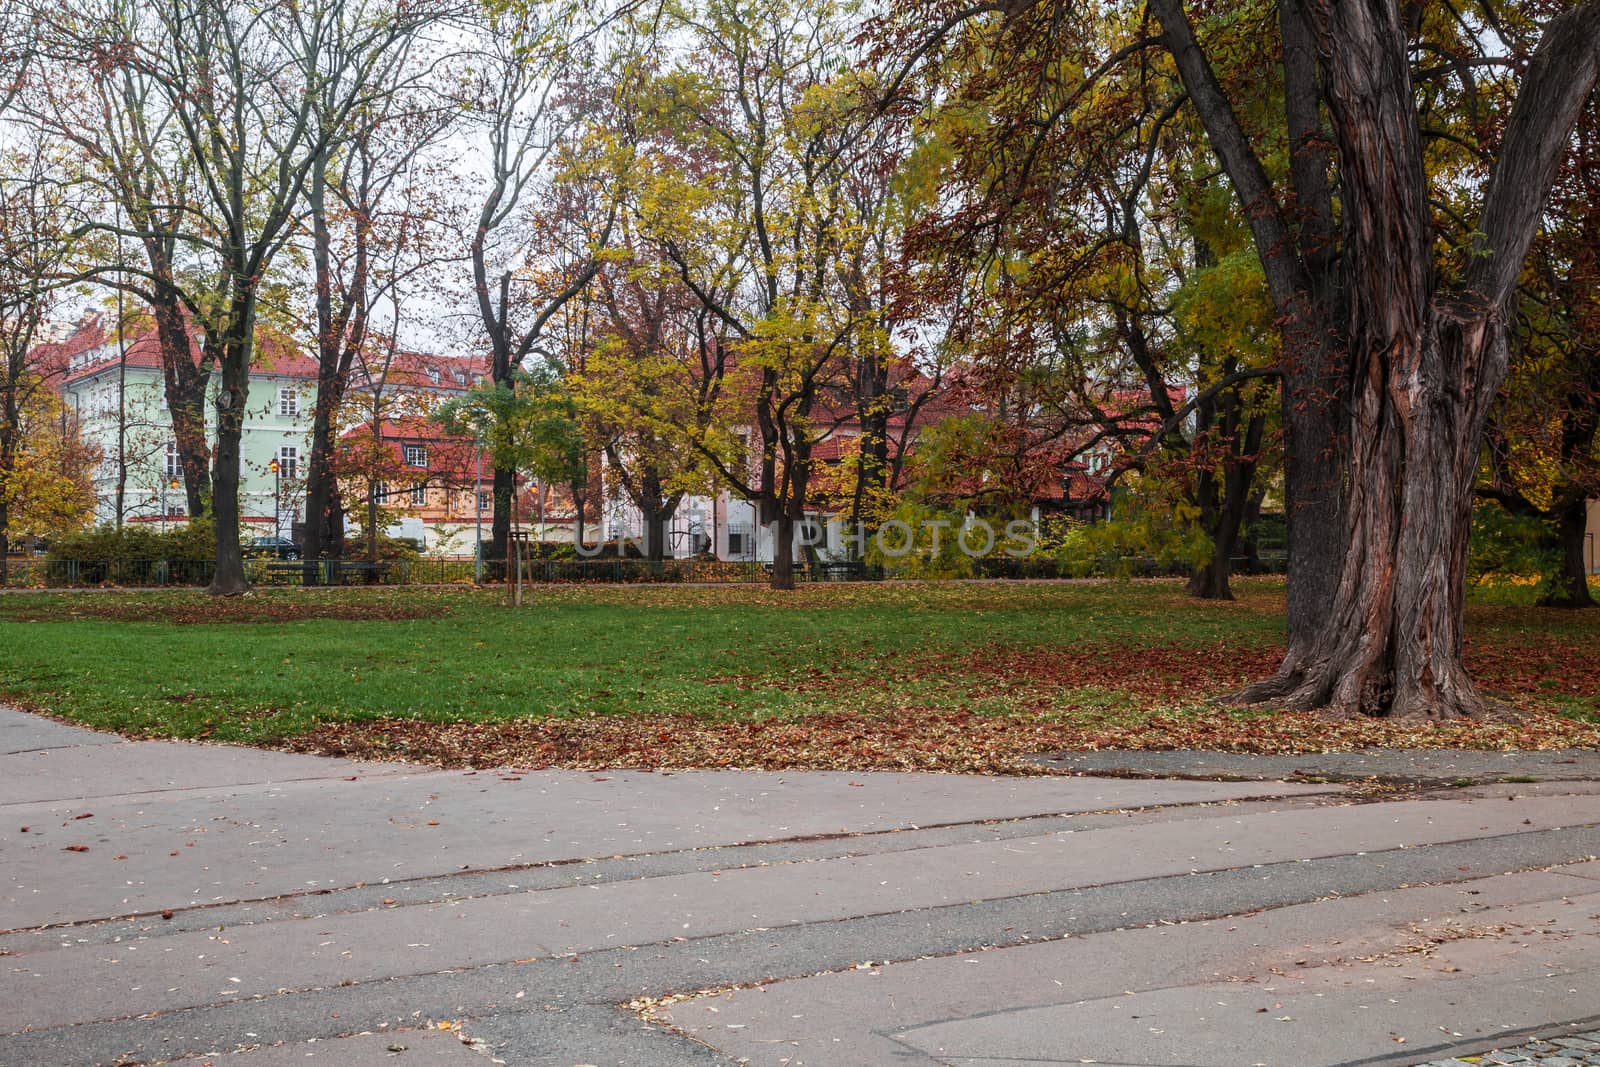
<point x="615" y="975"/>
<point x="1179" y="918"/>
<point x="237" y="789"/>
<point x="390" y="895"/>
<point x="1182" y="920"/>
<point x="388" y="888"/>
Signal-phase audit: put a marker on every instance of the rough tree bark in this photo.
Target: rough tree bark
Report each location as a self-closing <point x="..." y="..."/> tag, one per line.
<point x="1314" y="362"/>
<point x="324" y="502"/>
<point x="341" y="331"/>
<point x="783" y="551"/>
<point x="185" y="382"/>
<point x="1224" y="501"/>
<point x="657" y="507"/>
<point x="234" y="361"/>
<point x="1298" y="255"/>
<point x="1427" y="360"/>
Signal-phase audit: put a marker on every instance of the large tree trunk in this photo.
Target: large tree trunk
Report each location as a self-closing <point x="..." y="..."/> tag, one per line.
<point x="1300" y="258"/>
<point x="655" y="522"/>
<point x="1314" y="358"/>
<point x="185" y="385"/>
<point x="873" y="408"/>
<point x="500" y="528"/>
<point x="1425" y="362"/>
<point x="783" y="551"/>
<point x="1392" y="641"/>
<point x="1570" y="589"/>
<point x="580" y="505"/>
<point x="324" y="509"/>
<point x="1313" y="489"/>
<point x="657" y="508"/>
<point x="1392" y="644"/>
<point x="229" y="579"/>
<point x="1212" y="580"/>
<point x="335" y="355"/>
<point x="789" y="513"/>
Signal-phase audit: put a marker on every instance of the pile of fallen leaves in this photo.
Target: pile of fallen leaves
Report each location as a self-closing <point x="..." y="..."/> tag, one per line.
<point x="201" y="610"/>
<point x="1159" y="674"/>
<point x="917" y="740"/>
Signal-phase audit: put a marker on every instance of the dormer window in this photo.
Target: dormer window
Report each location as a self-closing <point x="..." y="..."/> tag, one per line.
<point x="433" y="375"/>
<point x="461" y="377"/>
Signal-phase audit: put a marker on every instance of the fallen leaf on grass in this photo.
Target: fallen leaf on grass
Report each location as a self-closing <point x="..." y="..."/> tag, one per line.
<point x="911" y="739"/>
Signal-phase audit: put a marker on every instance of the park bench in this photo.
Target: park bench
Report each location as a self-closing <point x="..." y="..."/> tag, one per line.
<point x="338" y="568"/>
<point x="287" y="567"/>
<point x="842" y="570"/>
<point x="334" y="570"/>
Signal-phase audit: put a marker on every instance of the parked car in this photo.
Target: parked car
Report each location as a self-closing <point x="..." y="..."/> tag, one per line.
<point x="273" y="547"/>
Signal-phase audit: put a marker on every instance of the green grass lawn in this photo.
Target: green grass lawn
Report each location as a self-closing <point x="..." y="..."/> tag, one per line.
<point x="279" y="662"/>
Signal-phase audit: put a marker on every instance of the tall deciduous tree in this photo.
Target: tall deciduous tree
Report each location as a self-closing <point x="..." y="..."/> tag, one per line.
<point x="1427" y="349"/>
<point x="371" y="208"/>
<point x="1391" y="357"/>
<point x="114" y="116"/>
<point x="254" y="95"/>
<point x="553" y="186"/>
<point x="37" y="215"/>
<point x="773" y="110"/>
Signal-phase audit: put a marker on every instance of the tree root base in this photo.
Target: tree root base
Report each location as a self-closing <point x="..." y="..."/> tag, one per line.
<point x="1314" y="688"/>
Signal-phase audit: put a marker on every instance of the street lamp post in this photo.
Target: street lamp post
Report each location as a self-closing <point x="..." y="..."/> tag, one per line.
<point x="277" y="496"/>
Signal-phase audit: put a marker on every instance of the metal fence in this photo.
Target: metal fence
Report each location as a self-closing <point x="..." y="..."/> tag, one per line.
<point x="78" y="574"/>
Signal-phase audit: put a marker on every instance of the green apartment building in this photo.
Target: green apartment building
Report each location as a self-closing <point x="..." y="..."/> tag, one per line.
<point x="115" y="389"/>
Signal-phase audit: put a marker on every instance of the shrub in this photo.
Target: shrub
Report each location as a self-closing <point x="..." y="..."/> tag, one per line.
<point x="1507" y="548"/>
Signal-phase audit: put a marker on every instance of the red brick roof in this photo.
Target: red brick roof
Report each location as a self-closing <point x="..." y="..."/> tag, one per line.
<point x="449" y="457"/>
<point x="91" y="348"/>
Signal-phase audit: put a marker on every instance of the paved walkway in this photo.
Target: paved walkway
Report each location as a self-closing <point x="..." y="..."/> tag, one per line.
<point x="192" y="904"/>
<point x="1580" y="1051"/>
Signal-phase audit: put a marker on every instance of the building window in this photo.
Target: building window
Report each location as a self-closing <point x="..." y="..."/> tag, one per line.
<point x="288" y="463"/>
<point x="174" y="464"/>
<point x="288" y="402"/>
<point x="461" y="377"/>
<point x="419" y="493"/>
<point x="433" y="375"/>
<point x="477" y="379"/>
<point x="416" y="455"/>
<point x="380" y="492"/>
<point x="486" y="501"/>
<point x="738" y="542"/>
